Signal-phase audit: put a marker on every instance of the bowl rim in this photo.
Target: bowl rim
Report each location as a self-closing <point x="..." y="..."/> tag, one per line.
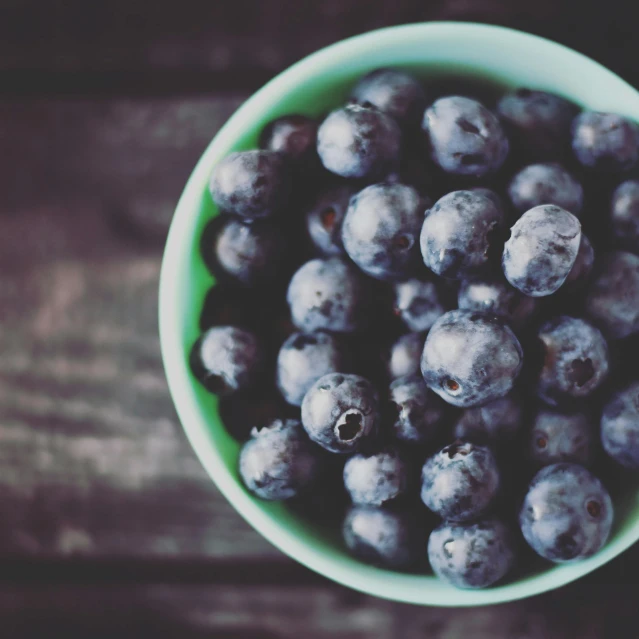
<point x="174" y="269"/>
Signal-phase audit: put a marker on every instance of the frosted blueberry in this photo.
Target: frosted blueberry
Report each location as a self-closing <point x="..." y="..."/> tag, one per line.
<point x="542" y="250"/>
<point x="471" y="358"/>
<point x="341" y="412"/>
<point x="567" y="513"/>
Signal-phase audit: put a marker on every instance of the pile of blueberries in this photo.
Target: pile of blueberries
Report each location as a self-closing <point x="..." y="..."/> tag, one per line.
<point x="425" y="323"/>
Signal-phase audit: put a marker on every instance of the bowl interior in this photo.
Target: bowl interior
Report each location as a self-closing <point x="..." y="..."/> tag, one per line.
<point x="495" y="57"/>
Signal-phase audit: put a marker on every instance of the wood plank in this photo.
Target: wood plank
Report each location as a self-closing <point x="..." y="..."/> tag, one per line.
<point x="94" y="461"/>
<point x="314" y="612"/>
<point x="206" y="46"/>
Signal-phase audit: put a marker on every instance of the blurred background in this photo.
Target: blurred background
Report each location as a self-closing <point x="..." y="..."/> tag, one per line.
<point x="108" y="525"/>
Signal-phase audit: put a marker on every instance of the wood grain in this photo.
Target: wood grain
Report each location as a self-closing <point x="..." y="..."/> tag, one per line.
<point x="108" y="524"/>
<point x="317" y="612"/>
<point x="93" y="459"/>
<point x="120" y="45"/>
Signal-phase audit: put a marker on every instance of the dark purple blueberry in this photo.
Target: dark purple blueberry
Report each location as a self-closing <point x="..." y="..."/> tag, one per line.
<point x="494" y="423"/>
<point x="417" y="303"/>
<point x="229" y="305"/>
<point x="393" y="92"/>
<point x="576" y="360"/>
<point x="380" y="232"/>
<point x="472" y="555"/>
<point x="567" y="513"/>
<point x="327" y="294"/>
<point x="495" y="295"/>
<point x="326" y="502"/>
<point x="256" y="406"/>
<point x="341" y="412"/>
<point x="417" y="414"/>
<point x="303" y="359"/>
<point x="538" y="123"/>
<point x="227" y="359"/>
<point x="624" y="215"/>
<point x="464" y="136"/>
<point x="376" y="479"/>
<point x="471" y="358"/>
<point x="459" y="234"/>
<point x="620" y="426"/>
<point x="582" y="268"/>
<point x="405" y="355"/>
<point x="381" y="537"/>
<point x="293" y="135"/>
<point x="249" y="252"/>
<point x="549" y="183"/>
<point x="605" y="142"/>
<point x="460" y="482"/>
<point x="358" y="142"/>
<point x="562" y="437"/>
<point x="251" y="184"/>
<point x="279" y="461"/>
<point x="542" y="249"/>
<point x="612" y="299"/>
<point x="324" y="219"/>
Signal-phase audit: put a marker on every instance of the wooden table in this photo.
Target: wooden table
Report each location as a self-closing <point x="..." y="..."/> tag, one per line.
<point x="109" y="527"/>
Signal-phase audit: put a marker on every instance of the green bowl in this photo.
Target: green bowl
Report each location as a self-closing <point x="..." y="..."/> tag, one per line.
<point x="494" y="56"/>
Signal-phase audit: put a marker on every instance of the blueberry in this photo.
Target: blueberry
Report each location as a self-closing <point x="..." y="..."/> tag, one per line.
<point x="582" y="268"/>
<point x="303" y="359"/>
<point x="405" y="355"/>
<point x="490" y="194"/>
<point x="249" y="252"/>
<point x="327" y="294"/>
<point x="620" y="426"/>
<point x="624" y="215"/>
<point x="495" y="295"/>
<point x="549" y="183"/>
<point x="325" y="504"/>
<point x="279" y="461"/>
<point x="538" y="123"/>
<point x="542" y="250"/>
<point x="459" y="234"/>
<point x="293" y="135"/>
<point x="376" y="479"/>
<point x="465" y="137"/>
<point x="251" y="184"/>
<point x="358" y="142"/>
<point x="576" y="360"/>
<point x="567" y="513"/>
<point x="562" y="437"/>
<point x="605" y="142"/>
<point x="471" y="358"/>
<point x="381" y="537"/>
<point x="341" y="412"/>
<point x="324" y="219"/>
<point x="381" y="229"/>
<point x="472" y="555"/>
<point x="228" y="305"/>
<point x="612" y="300"/>
<point x="393" y="92"/>
<point x="256" y="406"/>
<point x="419" y="414"/>
<point x="460" y="482"/>
<point x="496" y="422"/>
<point x="227" y="359"/>
<point x="417" y="303"/>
